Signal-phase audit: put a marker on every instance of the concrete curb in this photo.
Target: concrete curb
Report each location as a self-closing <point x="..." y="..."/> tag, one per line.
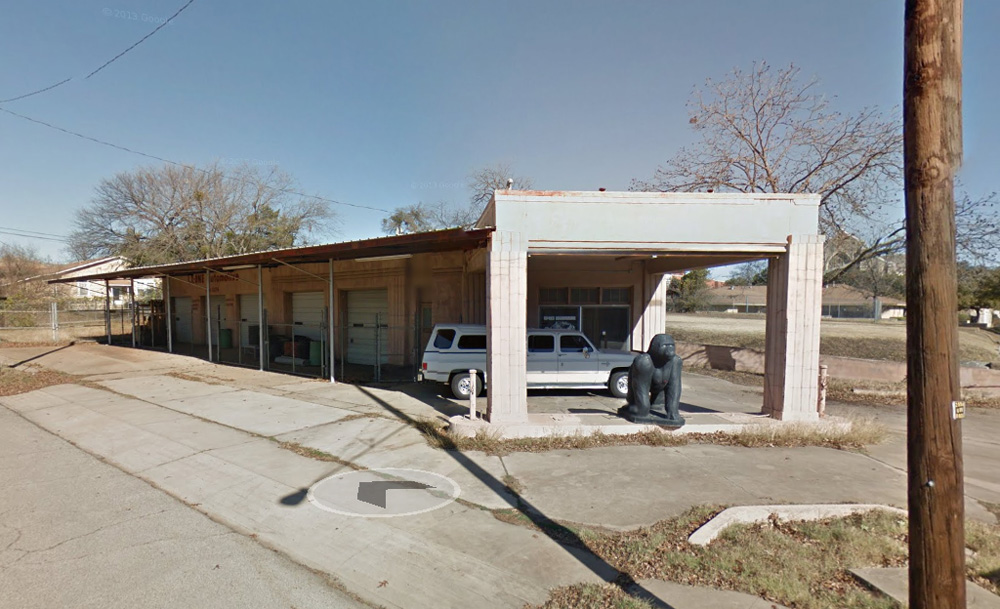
<point x="760" y="513"/>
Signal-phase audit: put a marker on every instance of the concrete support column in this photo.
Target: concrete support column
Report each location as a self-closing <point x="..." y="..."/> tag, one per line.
<point x="654" y="310"/>
<point x="794" y="297"/>
<point x="506" y="327"/>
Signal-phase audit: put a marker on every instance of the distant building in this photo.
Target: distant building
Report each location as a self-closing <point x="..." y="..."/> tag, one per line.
<point x="839" y="301"/>
<point x="84" y="289"/>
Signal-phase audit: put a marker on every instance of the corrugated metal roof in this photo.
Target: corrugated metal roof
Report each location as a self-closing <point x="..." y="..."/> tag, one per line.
<point x="416" y="243"/>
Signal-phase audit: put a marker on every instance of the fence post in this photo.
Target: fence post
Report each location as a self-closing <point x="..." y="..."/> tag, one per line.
<point x="54" y="317"/>
<point x="378" y="351"/>
<point x="472" y="394"/>
<point x="823" y="380"/>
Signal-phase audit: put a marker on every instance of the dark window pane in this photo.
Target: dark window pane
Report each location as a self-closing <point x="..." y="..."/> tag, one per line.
<point x="583" y="295"/>
<point x="552" y="296"/>
<point x="573" y="343"/>
<point x="472" y="341"/>
<point x="541" y="343"/>
<point x="615" y="295"/>
<point x="444" y="339"/>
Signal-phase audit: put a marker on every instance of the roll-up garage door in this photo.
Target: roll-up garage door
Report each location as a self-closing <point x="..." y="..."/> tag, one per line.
<point x="307" y="314"/>
<point x="363" y="308"/>
<point x="182" y="318"/>
<point x="249" y="316"/>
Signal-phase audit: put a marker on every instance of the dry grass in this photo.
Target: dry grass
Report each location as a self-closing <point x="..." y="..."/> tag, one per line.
<point x="875" y="393"/>
<point x="315" y="454"/>
<point x="814" y="559"/>
<point x="18" y="380"/>
<point x="593" y="596"/>
<point x="861" y="338"/>
<point x="860" y="433"/>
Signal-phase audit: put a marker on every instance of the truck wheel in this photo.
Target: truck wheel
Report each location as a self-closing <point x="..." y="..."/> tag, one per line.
<point x="618" y="384"/>
<point x="460" y="386"/>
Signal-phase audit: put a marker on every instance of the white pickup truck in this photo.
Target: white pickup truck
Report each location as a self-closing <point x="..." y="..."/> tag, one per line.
<point x="556" y="359"/>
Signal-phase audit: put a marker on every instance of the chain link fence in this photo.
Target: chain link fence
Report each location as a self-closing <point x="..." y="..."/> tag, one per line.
<point x="60" y="322"/>
<point x="382" y="349"/>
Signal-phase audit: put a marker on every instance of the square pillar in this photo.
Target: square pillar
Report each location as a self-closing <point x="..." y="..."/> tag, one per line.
<point x="654" y="310"/>
<point x="506" y="327"/>
<point x="794" y="300"/>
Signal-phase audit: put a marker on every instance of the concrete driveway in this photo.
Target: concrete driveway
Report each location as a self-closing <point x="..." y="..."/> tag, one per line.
<point x="234" y="443"/>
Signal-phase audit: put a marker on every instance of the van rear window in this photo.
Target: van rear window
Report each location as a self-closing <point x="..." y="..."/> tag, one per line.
<point x="472" y="341"/>
<point x="444" y="339"/>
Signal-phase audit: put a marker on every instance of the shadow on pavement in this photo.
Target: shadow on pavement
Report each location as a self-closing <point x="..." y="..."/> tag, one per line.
<point x="41" y="355"/>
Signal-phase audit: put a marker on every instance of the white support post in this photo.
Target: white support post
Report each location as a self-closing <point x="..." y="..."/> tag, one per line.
<point x="261" y="323"/>
<point x="506" y="327"/>
<point x="131" y="304"/>
<point x="791" y="364"/>
<point x="330" y="323"/>
<point x="473" y="381"/>
<point x="169" y="312"/>
<point x="107" y="309"/>
<point x="54" y="317"/>
<point x="208" y="312"/>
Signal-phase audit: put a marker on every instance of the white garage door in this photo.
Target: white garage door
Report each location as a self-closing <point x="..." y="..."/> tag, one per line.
<point x="362" y="308"/>
<point x="307" y="314"/>
<point x="182" y="318"/>
<point x="249" y="316"/>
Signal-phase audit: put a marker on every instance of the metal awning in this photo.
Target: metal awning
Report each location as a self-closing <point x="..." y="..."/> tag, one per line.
<point x="417" y="243"/>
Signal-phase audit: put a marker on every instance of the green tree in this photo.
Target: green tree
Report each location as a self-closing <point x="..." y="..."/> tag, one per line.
<point x="690" y="292"/>
<point x="156" y="215"/>
<point x="749" y="274"/>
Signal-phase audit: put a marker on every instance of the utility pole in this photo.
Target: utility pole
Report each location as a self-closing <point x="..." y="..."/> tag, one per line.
<point x="932" y="151"/>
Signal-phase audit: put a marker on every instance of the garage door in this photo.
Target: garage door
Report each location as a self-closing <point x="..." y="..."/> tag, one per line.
<point x="249" y="316"/>
<point x="363" y="307"/>
<point x="308" y="314"/>
<point x="182" y="318"/>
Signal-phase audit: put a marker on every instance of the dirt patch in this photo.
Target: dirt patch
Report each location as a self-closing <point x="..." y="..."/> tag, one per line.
<point x="16" y="380"/>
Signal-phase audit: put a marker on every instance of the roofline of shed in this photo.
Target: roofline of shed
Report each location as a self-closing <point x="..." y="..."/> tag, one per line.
<point x="415" y="243"/>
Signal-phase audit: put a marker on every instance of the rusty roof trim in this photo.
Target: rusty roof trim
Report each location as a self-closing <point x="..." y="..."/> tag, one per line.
<point x="416" y="243"/>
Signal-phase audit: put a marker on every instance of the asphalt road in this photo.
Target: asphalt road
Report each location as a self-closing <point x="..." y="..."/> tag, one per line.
<point x="76" y="532"/>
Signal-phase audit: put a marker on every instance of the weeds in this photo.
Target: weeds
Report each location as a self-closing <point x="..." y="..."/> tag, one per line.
<point x="798" y="564"/>
<point x="17" y="380"/>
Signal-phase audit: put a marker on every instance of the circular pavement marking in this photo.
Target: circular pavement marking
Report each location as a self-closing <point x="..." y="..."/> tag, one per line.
<point x="383" y="493"/>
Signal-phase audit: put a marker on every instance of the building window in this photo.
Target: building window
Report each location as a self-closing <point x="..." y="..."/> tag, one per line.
<point x="584" y="295"/>
<point x="554" y="296"/>
<point x="615" y="296"/>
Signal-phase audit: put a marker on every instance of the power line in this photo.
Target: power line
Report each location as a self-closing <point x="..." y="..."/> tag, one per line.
<point x="13" y="234"/>
<point x="23" y="230"/>
<point x="177" y="164"/>
<point x="141" y="40"/>
<point x="105" y="64"/>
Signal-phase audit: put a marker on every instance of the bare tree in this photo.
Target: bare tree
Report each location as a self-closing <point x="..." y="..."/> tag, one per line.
<point x="423" y="217"/>
<point x="166" y="214"/>
<point x="18" y="264"/>
<point x="977" y="228"/>
<point x="485" y="180"/>
<point x="770" y="131"/>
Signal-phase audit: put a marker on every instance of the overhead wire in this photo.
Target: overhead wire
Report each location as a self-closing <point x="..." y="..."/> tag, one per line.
<point x="103" y="65"/>
<point x="184" y="165"/>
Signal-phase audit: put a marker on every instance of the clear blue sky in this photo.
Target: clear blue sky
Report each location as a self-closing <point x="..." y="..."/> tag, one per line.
<point x="387" y="103"/>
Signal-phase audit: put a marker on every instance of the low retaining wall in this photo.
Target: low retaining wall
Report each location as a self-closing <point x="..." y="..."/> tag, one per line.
<point x="849" y="368"/>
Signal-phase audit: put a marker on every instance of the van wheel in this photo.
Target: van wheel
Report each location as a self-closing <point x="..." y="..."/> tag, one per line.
<point x="618" y="384"/>
<point x="461" y="386"/>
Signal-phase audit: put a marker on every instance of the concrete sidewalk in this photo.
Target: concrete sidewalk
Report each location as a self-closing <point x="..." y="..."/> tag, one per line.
<point x="215" y="445"/>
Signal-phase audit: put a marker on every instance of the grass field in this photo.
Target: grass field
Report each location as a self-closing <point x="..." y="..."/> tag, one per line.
<point x="865" y="339"/>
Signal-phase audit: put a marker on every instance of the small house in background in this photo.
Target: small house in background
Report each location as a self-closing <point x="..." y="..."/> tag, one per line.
<point x="88" y="290"/>
<point x="839" y="301"/>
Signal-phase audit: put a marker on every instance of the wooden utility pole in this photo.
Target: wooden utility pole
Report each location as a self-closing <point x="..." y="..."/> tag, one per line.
<point x="932" y="114"/>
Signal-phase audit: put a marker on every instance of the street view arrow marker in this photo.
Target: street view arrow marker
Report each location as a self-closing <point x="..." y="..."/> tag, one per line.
<point x="374" y="493"/>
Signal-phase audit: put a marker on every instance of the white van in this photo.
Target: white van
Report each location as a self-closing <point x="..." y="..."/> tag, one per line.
<point x="556" y="359"/>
